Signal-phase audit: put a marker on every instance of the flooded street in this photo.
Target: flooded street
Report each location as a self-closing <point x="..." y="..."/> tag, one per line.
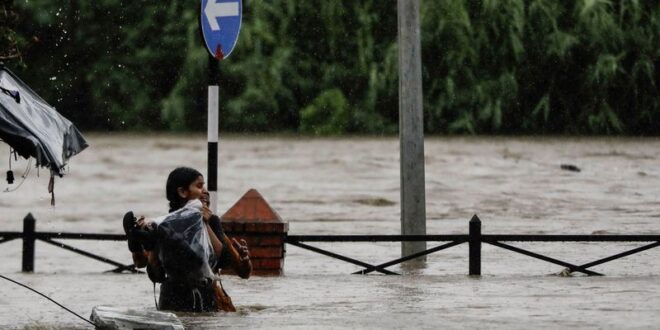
<point x="351" y="186"/>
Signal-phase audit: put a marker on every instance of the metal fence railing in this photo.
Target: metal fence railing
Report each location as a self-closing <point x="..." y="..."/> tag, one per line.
<point x="474" y="239"/>
<point x="30" y="236"/>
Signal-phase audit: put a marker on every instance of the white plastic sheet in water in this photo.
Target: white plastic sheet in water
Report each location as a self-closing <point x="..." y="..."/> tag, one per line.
<point x="106" y="317"/>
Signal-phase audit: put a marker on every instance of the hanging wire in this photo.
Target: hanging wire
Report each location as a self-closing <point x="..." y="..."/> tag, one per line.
<point x="10" y="173"/>
<point x="23" y="177"/>
<point x="45" y="296"/>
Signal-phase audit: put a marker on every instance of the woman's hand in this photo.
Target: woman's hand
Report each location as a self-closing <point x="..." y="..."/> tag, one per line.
<point x="141" y="222"/>
<point x="206" y="213"/>
<point x="240" y="258"/>
<point x="242" y="248"/>
<point x="205" y="198"/>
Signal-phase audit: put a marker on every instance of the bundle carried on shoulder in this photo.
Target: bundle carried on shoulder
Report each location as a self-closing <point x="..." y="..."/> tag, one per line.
<point x="185" y="249"/>
<point x="186" y="253"/>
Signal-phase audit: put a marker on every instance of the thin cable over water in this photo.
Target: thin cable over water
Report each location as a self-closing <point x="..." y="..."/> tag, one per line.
<point x="43" y="295"/>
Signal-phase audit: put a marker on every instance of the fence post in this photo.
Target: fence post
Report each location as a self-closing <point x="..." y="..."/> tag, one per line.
<point x="28" y="242"/>
<point x="475" y="245"/>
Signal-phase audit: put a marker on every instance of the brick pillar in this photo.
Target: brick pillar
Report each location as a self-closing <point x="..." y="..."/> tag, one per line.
<point x="252" y="219"/>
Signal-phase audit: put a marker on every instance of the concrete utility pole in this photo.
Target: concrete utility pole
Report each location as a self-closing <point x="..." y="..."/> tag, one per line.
<point x="411" y="127"/>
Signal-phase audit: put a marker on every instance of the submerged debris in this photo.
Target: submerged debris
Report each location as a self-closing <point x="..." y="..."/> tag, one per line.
<point x="106" y="317"/>
<point x="375" y="201"/>
<point x="565" y="273"/>
<point x="570" y="167"/>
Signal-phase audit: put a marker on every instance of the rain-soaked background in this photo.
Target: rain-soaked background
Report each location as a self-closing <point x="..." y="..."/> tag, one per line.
<point x="331" y="67"/>
<point x="351" y="186"/>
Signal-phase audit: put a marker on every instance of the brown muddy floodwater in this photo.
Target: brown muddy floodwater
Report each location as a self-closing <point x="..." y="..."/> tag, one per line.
<point x="351" y="186"/>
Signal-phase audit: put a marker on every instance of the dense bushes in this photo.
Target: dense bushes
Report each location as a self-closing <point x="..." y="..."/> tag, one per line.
<point x="330" y="67"/>
<point x="542" y="66"/>
<point x="8" y="38"/>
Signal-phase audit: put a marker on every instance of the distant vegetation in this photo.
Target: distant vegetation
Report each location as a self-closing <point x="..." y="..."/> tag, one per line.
<point x="330" y="66"/>
<point x="8" y="38"/>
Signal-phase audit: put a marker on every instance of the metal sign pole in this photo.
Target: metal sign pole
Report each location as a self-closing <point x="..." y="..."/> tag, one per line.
<point x="220" y="24"/>
<point x="212" y="134"/>
<point x="212" y="179"/>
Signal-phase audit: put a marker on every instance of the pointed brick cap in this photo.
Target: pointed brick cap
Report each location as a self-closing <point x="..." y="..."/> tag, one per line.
<point x="253" y="220"/>
<point x="252" y="207"/>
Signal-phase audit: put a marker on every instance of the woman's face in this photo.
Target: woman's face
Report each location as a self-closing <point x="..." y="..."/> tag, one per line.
<point x="195" y="190"/>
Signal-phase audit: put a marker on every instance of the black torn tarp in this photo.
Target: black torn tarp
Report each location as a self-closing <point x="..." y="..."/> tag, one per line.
<point x="33" y="128"/>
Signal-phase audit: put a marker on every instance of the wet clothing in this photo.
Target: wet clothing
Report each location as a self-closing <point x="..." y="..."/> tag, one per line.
<point x="180" y="294"/>
<point x="184" y="297"/>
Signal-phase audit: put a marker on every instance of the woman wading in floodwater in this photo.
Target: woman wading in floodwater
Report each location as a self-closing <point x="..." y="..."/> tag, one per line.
<point x="186" y="249"/>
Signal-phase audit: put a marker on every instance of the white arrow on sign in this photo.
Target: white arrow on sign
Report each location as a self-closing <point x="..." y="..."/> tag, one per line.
<point x="213" y="10"/>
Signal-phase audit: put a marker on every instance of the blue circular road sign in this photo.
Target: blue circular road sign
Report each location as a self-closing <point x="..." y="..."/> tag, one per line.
<point x="221" y="23"/>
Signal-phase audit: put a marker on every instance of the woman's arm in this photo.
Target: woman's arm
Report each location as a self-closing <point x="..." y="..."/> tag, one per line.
<point x="154" y="268"/>
<point x="215" y="242"/>
<point x="239" y="254"/>
<point x="240" y="257"/>
<point x="209" y="218"/>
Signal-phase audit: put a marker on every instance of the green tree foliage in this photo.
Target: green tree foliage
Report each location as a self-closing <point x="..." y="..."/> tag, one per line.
<point x="542" y="66"/>
<point x="330" y="67"/>
<point x="107" y="64"/>
<point x="9" y="40"/>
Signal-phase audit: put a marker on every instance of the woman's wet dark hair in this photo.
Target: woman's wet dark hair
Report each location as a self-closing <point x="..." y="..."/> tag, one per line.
<point x="180" y="177"/>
